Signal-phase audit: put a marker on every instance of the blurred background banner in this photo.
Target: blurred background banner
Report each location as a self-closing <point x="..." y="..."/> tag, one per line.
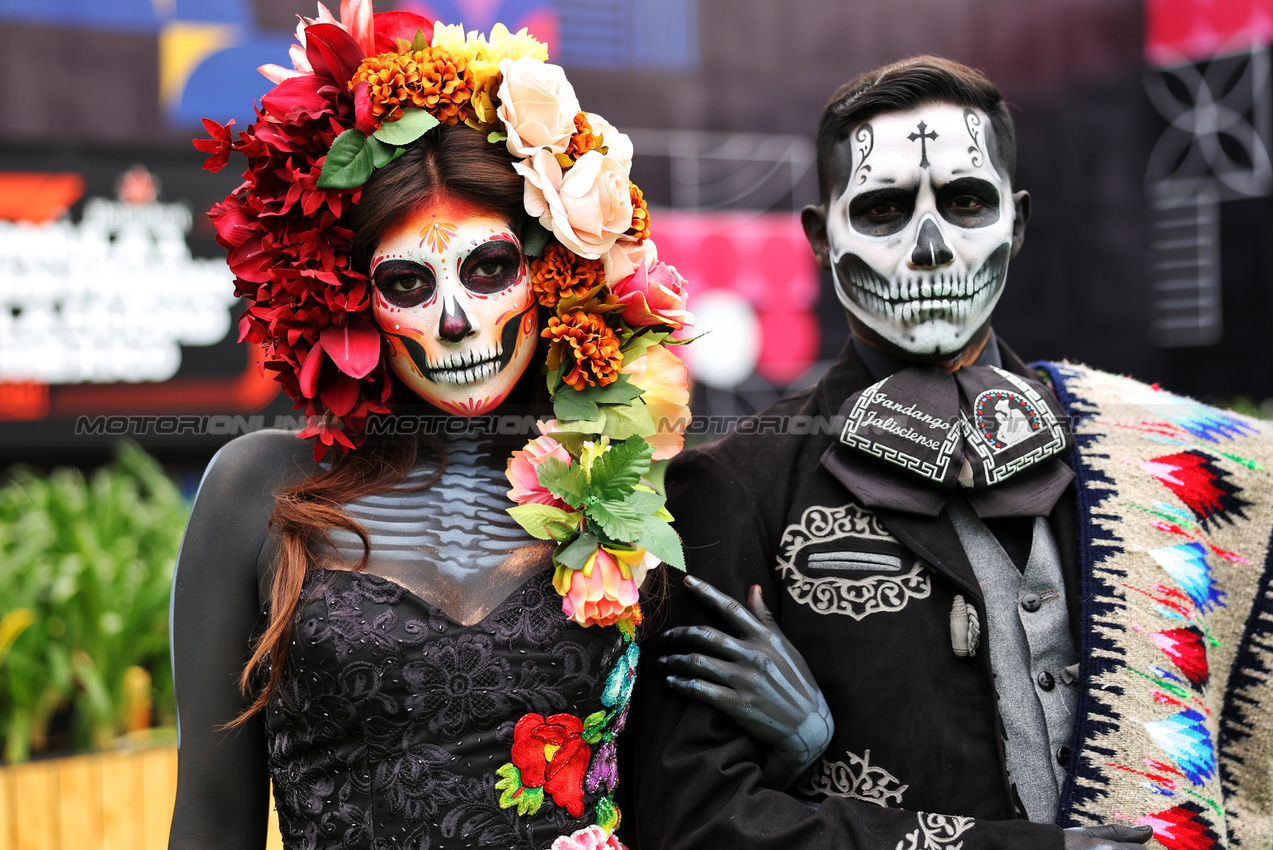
<point x="1144" y="136"/>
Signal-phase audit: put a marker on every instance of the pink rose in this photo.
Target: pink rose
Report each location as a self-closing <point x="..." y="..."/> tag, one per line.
<point x="537" y="106"/>
<point x="587" y="208"/>
<point x="523" y="472"/>
<point x="666" y="384"/>
<point x="600" y="594"/>
<point x="653" y="295"/>
<point x="589" y="838"/>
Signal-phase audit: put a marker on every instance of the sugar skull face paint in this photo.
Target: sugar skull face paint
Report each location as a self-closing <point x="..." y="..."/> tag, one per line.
<point x="920" y="236"/>
<point x="453" y="298"/>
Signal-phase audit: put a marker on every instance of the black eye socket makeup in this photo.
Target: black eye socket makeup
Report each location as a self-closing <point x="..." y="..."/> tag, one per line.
<point x="491" y="267"/>
<point x="969" y="202"/>
<point x="404" y="283"/>
<point x="881" y="212"/>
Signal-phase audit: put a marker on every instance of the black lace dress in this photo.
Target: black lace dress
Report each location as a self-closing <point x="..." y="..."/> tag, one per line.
<point x="394" y="726"/>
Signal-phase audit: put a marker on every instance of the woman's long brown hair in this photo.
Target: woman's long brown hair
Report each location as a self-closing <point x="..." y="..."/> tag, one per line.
<point x="447" y="161"/>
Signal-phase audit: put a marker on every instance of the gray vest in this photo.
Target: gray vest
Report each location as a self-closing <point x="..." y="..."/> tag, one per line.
<point x="1030" y="646"/>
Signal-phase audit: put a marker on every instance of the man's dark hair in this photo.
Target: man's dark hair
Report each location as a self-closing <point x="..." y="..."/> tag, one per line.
<point x="904" y="86"/>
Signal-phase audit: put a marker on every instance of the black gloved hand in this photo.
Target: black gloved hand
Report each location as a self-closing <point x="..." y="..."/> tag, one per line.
<point x="1107" y="836"/>
<point x="756" y="677"/>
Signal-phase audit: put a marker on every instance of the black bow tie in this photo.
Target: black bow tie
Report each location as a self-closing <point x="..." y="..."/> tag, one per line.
<point x="921" y="435"/>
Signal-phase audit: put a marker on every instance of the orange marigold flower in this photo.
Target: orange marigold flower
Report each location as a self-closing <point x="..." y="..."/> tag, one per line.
<point x="583" y="139"/>
<point x="559" y="273"/>
<point x="387" y="75"/>
<point x="432" y="79"/>
<point x="446" y="84"/>
<point x="640" y="214"/>
<point x="591" y="346"/>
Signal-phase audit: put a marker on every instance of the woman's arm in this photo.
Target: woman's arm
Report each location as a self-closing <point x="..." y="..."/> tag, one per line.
<point x="222" y="781"/>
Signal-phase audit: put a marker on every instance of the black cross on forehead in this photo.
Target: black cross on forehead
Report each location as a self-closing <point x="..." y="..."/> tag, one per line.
<point x="922" y="137"/>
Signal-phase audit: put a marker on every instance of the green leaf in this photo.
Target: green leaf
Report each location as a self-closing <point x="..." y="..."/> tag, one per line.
<point x="413" y="124"/>
<point x="621" y="391"/>
<point x="627" y="420"/>
<point x="607" y="814"/>
<point x="382" y="154"/>
<point x="625" y="520"/>
<point x="638" y="344"/>
<point x="572" y="441"/>
<point x="495" y="138"/>
<point x="566" y="482"/>
<point x="671" y="340"/>
<point x="514" y="793"/>
<point x="530" y="801"/>
<point x="661" y="540"/>
<point x="419" y="42"/>
<point x="349" y="162"/>
<point x="584" y="429"/>
<point x="546" y="522"/>
<point x="575" y="555"/>
<point x="537" y="235"/>
<point x="616" y="473"/>
<point x="570" y="404"/>
<point x="583" y="404"/>
<point x="593" y="725"/>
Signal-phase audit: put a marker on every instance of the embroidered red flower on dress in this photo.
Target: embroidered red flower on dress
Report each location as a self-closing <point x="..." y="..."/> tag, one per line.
<point x="550" y="753"/>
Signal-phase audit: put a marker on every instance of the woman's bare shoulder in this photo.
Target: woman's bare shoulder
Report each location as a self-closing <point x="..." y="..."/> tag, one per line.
<point x="262" y="458"/>
<point x="236" y="496"/>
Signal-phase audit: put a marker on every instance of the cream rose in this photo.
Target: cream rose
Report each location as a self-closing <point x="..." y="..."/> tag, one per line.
<point x="543" y="180"/>
<point x="597" y="203"/>
<point x="617" y="144"/>
<point x="587" y="208"/>
<point x="537" y="106"/>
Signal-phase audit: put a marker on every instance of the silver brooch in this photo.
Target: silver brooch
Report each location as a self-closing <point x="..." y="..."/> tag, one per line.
<point x="965" y="628"/>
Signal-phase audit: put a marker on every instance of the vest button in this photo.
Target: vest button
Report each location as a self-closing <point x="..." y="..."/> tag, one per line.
<point x="1031" y="602"/>
<point x="1046" y="681"/>
<point x="1063" y="756"/>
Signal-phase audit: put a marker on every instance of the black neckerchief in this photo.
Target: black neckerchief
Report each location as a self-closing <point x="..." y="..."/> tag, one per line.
<point x="920" y="435"/>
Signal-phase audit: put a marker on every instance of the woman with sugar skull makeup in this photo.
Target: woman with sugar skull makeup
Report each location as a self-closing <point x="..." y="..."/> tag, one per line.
<point x="413" y="653"/>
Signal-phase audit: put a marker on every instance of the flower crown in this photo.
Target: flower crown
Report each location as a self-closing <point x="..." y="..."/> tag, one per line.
<point x="362" y="89"/>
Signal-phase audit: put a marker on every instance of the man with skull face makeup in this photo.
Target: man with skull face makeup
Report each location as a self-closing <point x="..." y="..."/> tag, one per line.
<point x="915" y="524"/>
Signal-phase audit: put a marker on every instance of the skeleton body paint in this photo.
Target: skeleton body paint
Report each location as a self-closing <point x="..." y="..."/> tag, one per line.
<point x="453" y="298"/>
<point x="921" y="233"/>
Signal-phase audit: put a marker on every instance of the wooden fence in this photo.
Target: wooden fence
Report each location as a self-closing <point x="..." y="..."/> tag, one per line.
<point x="116" y="800"/>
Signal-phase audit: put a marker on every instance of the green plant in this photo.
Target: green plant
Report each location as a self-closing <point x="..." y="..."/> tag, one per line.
<point x="85" y="569"/>
<point x="1248" y="406"/>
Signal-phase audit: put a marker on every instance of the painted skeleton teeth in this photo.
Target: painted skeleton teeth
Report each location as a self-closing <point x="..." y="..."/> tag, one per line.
<point x="469" y="375"/>
<point x="466" y="367"/>
<point x="462" y="359"/>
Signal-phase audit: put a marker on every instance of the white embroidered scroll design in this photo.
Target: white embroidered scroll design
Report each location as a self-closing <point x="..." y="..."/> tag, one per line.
<point x="856" y="778"/>
<point x="856" y="598"/>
